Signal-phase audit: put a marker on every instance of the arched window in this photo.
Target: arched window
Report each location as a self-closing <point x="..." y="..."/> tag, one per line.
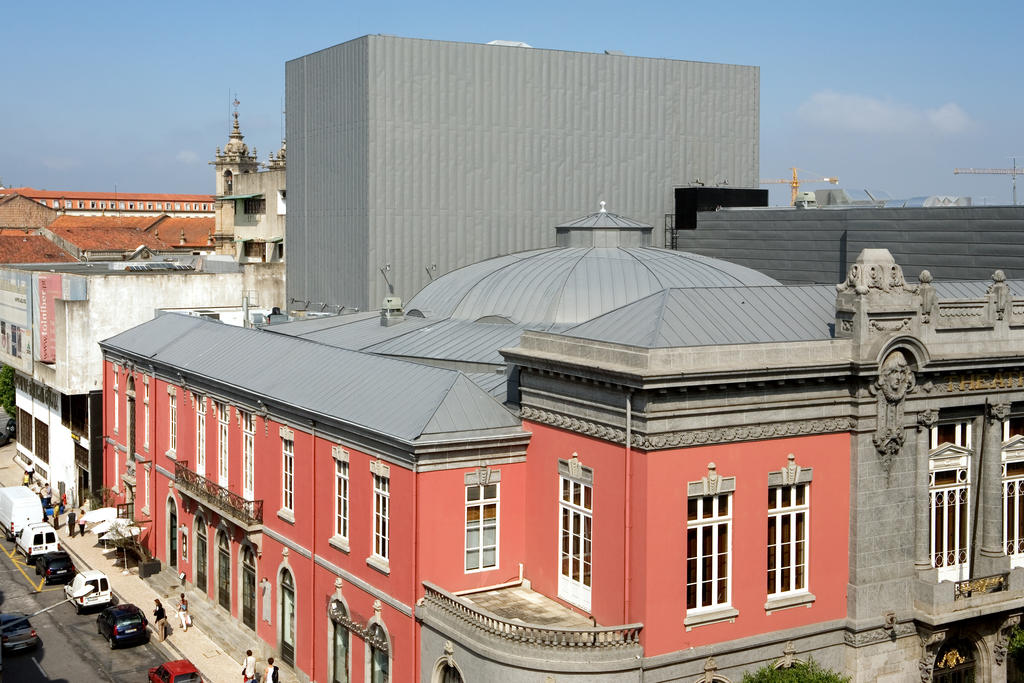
<point x="223" y="570"/>
<point x="287" y="620"/>
<point x="172" y="532"/>
<point x="380" y="665"/>
<point x="201" y="554"/>
<point x="227" y="182"/>
<point x="249" y="587"/>
<point x="339" y="643"/>
<point x="447" y="673"/>
<point x="955" y="663"/>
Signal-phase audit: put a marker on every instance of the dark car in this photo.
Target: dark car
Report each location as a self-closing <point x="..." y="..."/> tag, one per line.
<point x="122" y="624"/>
<point x="8" y="429"/>
<point x="178" y="671"/>
<point x="18" y="633"/>
<point x="55" y="567"/>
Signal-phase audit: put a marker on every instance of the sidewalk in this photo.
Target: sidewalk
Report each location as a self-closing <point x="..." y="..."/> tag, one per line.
<point x="194" y="645"/>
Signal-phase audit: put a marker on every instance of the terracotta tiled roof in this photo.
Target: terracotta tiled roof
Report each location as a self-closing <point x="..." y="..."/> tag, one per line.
<point x="127" y="196"/>
<point x="198" y="232"/>
<point x="19" y="246"/>
<point x="116" y="233"/>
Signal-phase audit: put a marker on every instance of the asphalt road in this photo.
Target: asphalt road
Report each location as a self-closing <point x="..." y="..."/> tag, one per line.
<point x="70" y="650"/>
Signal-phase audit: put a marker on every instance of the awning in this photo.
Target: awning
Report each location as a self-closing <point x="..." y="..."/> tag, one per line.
<point x="242" y="196"/>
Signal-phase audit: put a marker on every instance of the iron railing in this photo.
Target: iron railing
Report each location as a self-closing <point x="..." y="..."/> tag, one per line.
<point x="980" y="585"/>
<point x="597" y="637"/>
<point x="249" y="511"/>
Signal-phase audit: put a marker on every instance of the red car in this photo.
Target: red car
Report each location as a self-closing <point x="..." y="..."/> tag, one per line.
<point x="178" y="671"/>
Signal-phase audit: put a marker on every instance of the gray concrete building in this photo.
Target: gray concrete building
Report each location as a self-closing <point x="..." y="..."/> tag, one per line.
<point x="410" y="158"/>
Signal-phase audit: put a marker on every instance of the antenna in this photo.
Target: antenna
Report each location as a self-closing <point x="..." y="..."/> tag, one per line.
<point x="384" y="271"/>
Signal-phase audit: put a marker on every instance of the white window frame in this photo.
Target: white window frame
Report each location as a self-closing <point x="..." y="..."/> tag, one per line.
<point x="288" y="474"/>
<point x="790" y="572"/>
<point x="381" y="516"/>
<point x="710" y="522"/>
<point x="117" y="411"/>
<point x="1012" y="456"/>
<point x="248" y="457"/>
<point x="576" y="536"/>
<point x="477" y="503"/>
<point x="223" y="425"/>
<point x="949" y="506"/>
<point x="172" y="422"/>
<point x="962" y="433"/>
<point x="201" y="435"/>
<point x="145" y="411"/>
<point x="341" y="499"/>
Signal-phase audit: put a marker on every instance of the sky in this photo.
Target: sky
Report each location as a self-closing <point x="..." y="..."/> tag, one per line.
<point x="887" y="97"/>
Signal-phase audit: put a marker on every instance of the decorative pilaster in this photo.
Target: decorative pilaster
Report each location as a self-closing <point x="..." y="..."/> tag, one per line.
<point x="895" y="381"/>
<point x="991" y="491"/>
<point x="926" y="419"/>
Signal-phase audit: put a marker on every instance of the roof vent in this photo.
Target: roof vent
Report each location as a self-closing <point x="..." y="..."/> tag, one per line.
<point x="391" y="312"/>
<point x="509" y="43"/>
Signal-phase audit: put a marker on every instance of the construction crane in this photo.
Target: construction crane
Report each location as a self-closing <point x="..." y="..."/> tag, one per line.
<point x="794" y="184"/>
<point x="1012" y="172"/>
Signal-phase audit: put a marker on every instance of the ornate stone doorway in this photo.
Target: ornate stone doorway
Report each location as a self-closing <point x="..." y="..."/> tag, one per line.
<point x="955" y="663"/>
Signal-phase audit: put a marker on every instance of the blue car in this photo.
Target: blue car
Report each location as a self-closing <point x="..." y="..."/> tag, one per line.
<point x="122" y="625"/>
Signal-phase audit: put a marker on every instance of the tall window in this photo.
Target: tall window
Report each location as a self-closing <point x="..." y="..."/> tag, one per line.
<point x="1013" y="489"/>
<point x="576" y="536"/>
<point x="481" y="526"/>
<point x="708" y="545"/>
<point x="339" y="653"/>
<point x="949" y="497"/>
<point x="787" y="539"/>
<point x="248" y="438"/>
<point x="341" y="498"/>
<point x="288" y="474"/>
<point x="145" y="415"/>
<point x="381" y="503"/>
<point x="117" y="402"/>
<point x="380" y="669"/>
<point x="200" y="434"/>
<point x="223" y="421"/>
<point x="172" y="422"/>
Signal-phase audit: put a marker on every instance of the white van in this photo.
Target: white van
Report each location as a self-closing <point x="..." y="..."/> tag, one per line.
<point x="100" y="594"/>
<point x="37" y="539"/>
<point x="19" y="506"/>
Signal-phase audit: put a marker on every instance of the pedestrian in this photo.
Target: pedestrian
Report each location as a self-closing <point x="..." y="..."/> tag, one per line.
<point x="270" y="674"/>
<point x="46" y="494"/>
<point x="183" y="615"/>
<point x="249" y="670"/>
<point x="71" y="523"/>
<point x="56" y="519"/>
<point x="27" y="479"/>
<point x="160" y="617"/>
<point x="81" y="521"/>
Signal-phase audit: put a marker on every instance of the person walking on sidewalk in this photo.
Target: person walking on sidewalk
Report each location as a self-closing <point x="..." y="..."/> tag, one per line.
<point x="183" y="614"/>
<point x="71" y="523"/>
<point x="81" y="521"/>
<point x="160" y="620"/>
<point x="249" y="670"/>
<point x="270" y="674"/>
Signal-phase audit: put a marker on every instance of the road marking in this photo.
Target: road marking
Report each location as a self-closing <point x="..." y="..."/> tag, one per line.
<point x="20" y="566"/>
<point x="40" y="667"/>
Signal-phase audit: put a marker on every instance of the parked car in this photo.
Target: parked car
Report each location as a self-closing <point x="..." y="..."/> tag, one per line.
<point x="18" y="633"/>
<point x="100" y="595"/>
<point x="19" y="506"/>
<point x="37" y="539"/>
<point x="8" y="430"/>
<point x="122" y="624"/>
<point x="55" y="567"/>
<point x="178" y="671"/>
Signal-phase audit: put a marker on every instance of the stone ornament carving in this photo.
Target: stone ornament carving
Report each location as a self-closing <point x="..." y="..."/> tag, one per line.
<point x="999" y="294"/>
<point x="712" y="484"/>
<point x="379" y="468"/>
<point x="339" y="454"/>
<point x="929" y="300"/>
<point x="927" y="418"/>
<point x="888" y="632"/>
<point x="882" y="274"/>
<point x="710" y="672"/>
<point x="286" y="433"/>
<point x="997" y="412"/>
<point x="265" y="414"/>
<point x="895" y="380"/>
<point x="482" y="476"/>
<point x="791" y="472"/>
<point x="999" y="650"/>
<point x="692" y="437"/>
<point x="575" y="466"/>
<point x="931" y="643"/>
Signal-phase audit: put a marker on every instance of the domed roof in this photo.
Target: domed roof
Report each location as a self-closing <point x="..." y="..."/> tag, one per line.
<point x="569" y="285"/>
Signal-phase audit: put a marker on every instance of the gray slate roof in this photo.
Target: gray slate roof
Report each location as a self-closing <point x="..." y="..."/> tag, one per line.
<point x="407" y="401"/>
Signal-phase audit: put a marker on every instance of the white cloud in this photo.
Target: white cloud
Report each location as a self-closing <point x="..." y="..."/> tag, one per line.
<point x="60" y="163"/>
<point x="862" y="114"/>
<point x="187" y="156"/>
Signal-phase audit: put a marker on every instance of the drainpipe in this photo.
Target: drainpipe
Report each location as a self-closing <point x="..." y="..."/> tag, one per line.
<point x="418" y="633"/>
<point x="626" y="578"/>
<point x="312" y="560"/>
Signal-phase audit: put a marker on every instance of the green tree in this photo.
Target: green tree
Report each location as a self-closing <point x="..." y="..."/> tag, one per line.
<point x="811" y="672"/>
<point x="7" y="390"/>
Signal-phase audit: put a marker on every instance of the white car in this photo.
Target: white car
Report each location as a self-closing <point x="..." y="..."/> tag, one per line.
<point x="37" y="539"/>
<point x="100" y="594"/>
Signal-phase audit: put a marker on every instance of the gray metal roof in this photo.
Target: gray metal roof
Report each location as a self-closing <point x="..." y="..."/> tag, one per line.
<point x="603" y="219"/>
<point x="407" y="401"/>
<point x="720" y="315"/>
<point x="571" y="285"/>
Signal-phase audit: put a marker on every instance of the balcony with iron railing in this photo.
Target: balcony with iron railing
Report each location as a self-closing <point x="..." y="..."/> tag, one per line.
<point x="247" y="514"/>
<point x="530" y="637"/>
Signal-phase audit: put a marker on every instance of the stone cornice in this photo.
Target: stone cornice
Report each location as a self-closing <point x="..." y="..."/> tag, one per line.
<point x="696" y="437"/>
